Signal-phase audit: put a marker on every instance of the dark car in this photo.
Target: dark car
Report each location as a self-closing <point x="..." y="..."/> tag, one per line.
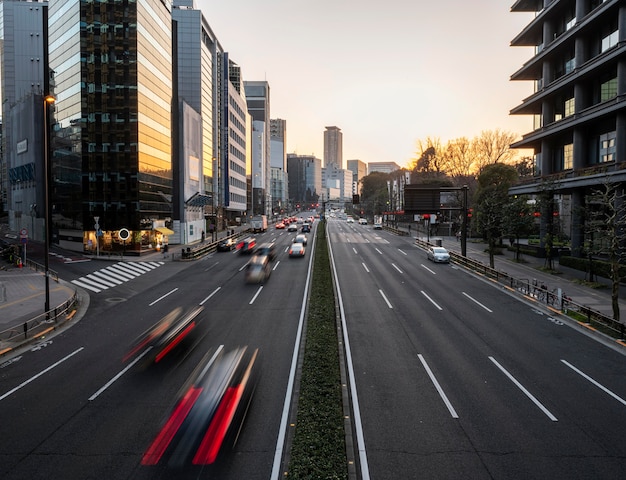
<point x="247" y="246"/>
<point x="306" y="228"/>
<point x="226" y="245"/>
<point x="259" y="269"/>
<point x="266" y="249"/>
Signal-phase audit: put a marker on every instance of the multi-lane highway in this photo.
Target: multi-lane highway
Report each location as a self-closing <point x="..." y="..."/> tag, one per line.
<point x="450" y="377"/>
<point x="71" y="407"/>
<point x="457" y="379"/>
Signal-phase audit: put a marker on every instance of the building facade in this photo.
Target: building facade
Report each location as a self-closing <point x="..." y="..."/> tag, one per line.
<point x="258" y="101"/>
<point x="359" y="170"/>
<point x="333" y="147"/>
<point x="305" y="180"/>
<point x="578" y="104"/>
<point x="384" y="167"/>
<point x="278" y="165"/>
<point x="23" y="57"/>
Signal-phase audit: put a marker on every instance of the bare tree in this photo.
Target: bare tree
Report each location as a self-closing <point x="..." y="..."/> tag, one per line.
<point x="606" y="220"/>
<point x="493" y="146"/>
<point x="428" y="161"/>
<point x="457" y="158"/>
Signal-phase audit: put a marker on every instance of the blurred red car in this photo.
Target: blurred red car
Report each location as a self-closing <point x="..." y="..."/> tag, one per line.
<point x="280" y="226"/>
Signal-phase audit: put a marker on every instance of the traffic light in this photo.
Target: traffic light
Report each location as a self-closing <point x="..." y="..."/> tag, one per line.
<point x="470" y="211"/>
<point x="356" y="199"/>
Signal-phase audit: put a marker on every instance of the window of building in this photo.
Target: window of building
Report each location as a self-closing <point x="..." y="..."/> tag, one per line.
<point x="609" y="41"/>
<point x="568" y="156"/>
<point x="607" y="147"/>
<point x="569" y="107"/>
<point x="570" y="65"/>
<point x="570" y="24"/>
<point x="608" y="90"/>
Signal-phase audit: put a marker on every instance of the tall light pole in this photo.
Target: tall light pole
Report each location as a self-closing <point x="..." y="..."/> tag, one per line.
<point x="47" y="101"/>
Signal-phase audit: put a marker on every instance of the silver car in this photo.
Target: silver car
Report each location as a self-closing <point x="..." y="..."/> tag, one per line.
<point x="438" y="255"/>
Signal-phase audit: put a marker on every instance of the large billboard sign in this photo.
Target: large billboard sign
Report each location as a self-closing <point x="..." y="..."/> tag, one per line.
<point x="421" y="199"/>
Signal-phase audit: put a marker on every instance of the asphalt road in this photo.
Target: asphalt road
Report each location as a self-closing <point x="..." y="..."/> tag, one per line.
<point x="458" y="379"/>
<point x="71" y="408"/>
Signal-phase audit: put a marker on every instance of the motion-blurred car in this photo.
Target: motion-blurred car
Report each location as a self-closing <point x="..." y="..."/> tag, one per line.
<point x="293" y="227"/>
<point x="266" y="249"/>
<point x="166" y="334"/>
<point x="350" y="220"/>
<point x="306" y="228"/>
<point x="246" y="246"/>
<point x="227" y="245"/>
<point x="210" y="412"/>
<point x="438" y="255"/>
<point x="258" y="269"/>
<point x="296" y="250"/>
<point x="300" y="238"/>
<point x="279" y="226"/>
<point x="362" y="221"/>
<point x="378" y="226"/>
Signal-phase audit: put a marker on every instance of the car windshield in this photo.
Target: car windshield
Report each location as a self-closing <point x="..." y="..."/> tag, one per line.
<point x="440" y="250"/>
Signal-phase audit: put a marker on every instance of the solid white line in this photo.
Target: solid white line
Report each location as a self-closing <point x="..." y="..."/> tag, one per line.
<point x="256" y="295"/>
<point x="394" y="266"/>
<point x="163" y="296"/>
<point x="385" y="298"/>
<point x="23" y="384"/>
<point x="438" y="387"/>
<point x="600" y="386"/>
<point x="207" y="298"/>
<point x="282" y="430"/>
<point x="365" y="267"/>
<point x="477" y="302"/>
<point x="526" y="392"/>
<point x="431" y="300"/>
<point x="116" y="377"/>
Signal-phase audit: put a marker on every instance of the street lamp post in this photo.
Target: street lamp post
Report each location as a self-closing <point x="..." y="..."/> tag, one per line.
<point x="47" y="101"/>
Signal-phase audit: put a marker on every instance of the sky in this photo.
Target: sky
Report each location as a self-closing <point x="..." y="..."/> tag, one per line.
<point x="387" y="73"/>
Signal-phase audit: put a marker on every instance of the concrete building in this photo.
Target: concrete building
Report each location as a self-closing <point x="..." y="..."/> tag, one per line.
<point x="333" y="147"/>
<point x="359" y="170"/>
<point x="385" y="167"/>
<point x="338" y="179"/>
<point x="23" y="60"/>
<point x="305" y="180"/>
<point x="578" y="105"/>
<point x="258" y="100"/>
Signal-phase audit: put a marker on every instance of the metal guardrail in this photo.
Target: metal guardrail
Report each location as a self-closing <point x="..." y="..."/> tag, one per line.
<point x="539" y="293"/>
<point x="41" y="324"/>
<point x="199" y="251"/>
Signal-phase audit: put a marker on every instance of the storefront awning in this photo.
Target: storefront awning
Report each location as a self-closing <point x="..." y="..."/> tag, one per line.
<point x="164" y="230"/>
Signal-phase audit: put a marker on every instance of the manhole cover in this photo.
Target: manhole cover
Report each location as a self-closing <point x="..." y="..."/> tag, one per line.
<point x="116" y="299"/>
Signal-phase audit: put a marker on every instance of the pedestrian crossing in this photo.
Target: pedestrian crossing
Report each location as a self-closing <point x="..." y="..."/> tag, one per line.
<point x="114" y="275"/>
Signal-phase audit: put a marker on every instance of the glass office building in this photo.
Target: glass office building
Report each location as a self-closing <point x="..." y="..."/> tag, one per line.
<point x="111" y="145"/>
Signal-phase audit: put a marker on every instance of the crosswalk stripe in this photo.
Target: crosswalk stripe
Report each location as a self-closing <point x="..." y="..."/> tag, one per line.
<point x="84" y="285"/>
<point x="123" y="271"/>
<point x="134" y="267"/>
<point x="98" y="280"/>
<point x="117" y="274"/>
<point x="109" y="278"/>
<point x="86" y="281"/>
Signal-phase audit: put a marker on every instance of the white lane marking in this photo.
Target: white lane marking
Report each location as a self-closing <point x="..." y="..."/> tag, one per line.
<point x="394" y="266"/>
<point x="276" y="265"/>
<point x="600" y="386"/>
<point x="402" y="252"/>
<point x="385" y="298"/>
<point x="162" y="297"/>
<point x="438" y="387"/>
<point x="431" y="271"/>
<point x="477" y="302"/>
<point x="378" y="250"/>
<point x="431" y="300"/>
<point x="356" y="409"/>
<point x="282" y="430"/>
<point x="526" y="392"/>
<point x="354" y="249"/>
<point x="256" y="295"/>
<point x="31" y="379"/>
<point x="208" y="298"/>
<point x="365" y="267"/>
<point x="116" y="377"/>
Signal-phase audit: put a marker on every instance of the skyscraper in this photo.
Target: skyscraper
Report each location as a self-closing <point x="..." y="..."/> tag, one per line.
<point x="258" y="100"/>
<point x="111" y="143"/>
<point x="333" y="147"/>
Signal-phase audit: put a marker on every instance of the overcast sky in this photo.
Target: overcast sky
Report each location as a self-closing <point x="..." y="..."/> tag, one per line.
<point x="387" y="73"/>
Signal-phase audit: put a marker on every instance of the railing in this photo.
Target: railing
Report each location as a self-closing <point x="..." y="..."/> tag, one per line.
<point x="38" y="326"/>
<point x="199" y="251"/>
<point x="540" y="293"/>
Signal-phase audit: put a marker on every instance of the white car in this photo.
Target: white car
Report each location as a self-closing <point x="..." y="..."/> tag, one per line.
<point x="350" y="220"/>
<point x="362" y="221"/>
<point x="438" y="255"/>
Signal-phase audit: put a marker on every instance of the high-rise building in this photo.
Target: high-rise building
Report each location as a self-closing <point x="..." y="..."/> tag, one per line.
<point x="333" y="147"/>
<point x="305" y="180"/>
<point x="23" y="57"/>
<point x="111" y="144"/>
<point x="258" y="100"/>
<point x="385" y="167"/>
<point x="278" y="165"/>
<point x="578" y="104"/>
<point x="359" y="170"/>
